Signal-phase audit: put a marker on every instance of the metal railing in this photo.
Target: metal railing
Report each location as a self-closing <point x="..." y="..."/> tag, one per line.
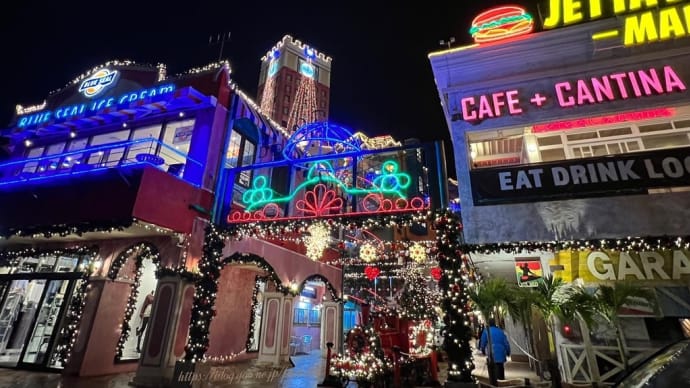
<point x="113" y="155"/>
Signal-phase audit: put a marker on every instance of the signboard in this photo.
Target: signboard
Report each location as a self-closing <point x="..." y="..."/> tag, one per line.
<point x="632" y="173"/>
<point x="592" y="93"/>
<point x="98" y="82"/>
<point x="668" y="266"/>
<point x="641" y="21"/>
<point x="69" y="111"/>
<point x="528" y="270"/>
<point x="183" y="134"/>
<point x="501" y="23"/>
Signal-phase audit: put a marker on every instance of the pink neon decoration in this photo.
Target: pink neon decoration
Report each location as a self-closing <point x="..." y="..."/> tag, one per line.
<point x="320" y="201"/>
<point x="603" y="120"/>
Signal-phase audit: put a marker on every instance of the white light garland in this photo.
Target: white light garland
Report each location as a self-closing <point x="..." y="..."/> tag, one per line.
<point x="367" y="252"/>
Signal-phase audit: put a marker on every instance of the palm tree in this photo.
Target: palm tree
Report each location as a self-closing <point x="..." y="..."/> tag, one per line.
<point x="521" y="308"/>
<point x="488" y="297"/>
<point x="553" y="302"/>
<point x="610" y="300"/>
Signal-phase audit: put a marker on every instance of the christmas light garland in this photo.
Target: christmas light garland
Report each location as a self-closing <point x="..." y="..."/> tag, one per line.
<point x="255" y="305"/>
<point x="63" y="230"/>
<point x="139" y="252"/>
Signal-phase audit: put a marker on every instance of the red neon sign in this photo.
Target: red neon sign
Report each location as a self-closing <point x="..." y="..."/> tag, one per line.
<point x="501" y="23"/>
<point x="604" y="120"/>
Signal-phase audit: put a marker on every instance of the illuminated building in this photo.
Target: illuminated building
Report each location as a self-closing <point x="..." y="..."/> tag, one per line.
<point x="294" y="83"/>
<point x="145" y="214"/>
<point x="571" y="145"/>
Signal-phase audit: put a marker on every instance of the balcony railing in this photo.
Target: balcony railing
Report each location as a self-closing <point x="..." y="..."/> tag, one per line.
<point x="113" y="155"/>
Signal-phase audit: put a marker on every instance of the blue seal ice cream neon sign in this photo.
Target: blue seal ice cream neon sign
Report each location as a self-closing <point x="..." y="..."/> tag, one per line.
<point x="66" y="112"/>
<point x="98" y="82"/>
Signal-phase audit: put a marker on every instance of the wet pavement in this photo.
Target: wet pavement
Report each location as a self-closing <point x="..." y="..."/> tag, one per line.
<point x="309" y="371"/>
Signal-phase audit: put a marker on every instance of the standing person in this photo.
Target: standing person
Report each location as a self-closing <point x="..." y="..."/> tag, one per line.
<point x="144" y="315"/>
<point x="500" y="349"/>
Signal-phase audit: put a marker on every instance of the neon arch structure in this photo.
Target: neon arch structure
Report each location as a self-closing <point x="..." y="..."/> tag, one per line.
<point x="320" y="138"/>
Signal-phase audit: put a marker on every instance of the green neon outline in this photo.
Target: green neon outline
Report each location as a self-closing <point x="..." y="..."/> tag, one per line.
<point x="389" y="182"/>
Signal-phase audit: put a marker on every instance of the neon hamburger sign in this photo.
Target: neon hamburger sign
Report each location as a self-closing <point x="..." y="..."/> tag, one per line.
<point x="501" y="23"/>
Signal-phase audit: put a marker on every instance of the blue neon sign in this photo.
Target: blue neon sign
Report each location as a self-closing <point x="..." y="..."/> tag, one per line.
<point x="69" y="111"/>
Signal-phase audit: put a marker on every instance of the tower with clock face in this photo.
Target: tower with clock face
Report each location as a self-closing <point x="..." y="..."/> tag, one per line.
<point x="294" y="84"/>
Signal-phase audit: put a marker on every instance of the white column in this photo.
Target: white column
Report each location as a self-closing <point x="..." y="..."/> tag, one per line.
<point x="331" y="326"/>
<point x="276" y="325"/>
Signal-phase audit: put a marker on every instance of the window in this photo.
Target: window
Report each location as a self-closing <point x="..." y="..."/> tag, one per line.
<point x="286" y="110"/>
<point x="666" y="141"/>
<point x="110" y="155"/>
<point x="233" y="154"/>
<point x="152" y="132"/>
<point x="241" y="152"/>
<point x="33" y="153"/>
<point x="300" y="317"/>
<point x="286" y="98"/>
<point x="75" y="145"/>
<point x="315" y="317"/>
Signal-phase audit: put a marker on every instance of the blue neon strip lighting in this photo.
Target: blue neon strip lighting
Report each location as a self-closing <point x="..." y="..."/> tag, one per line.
<point x="62" y="164"/>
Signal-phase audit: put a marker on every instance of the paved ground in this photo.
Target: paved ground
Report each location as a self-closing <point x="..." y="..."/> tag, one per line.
<point x="308" y="372"/>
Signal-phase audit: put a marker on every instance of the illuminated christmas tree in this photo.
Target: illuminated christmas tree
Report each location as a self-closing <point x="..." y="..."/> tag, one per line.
<point x="304" y="108"/>
<point x="418" y="301"/>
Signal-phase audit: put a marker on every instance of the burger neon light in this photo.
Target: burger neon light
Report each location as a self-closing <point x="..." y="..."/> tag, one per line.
<point x="501" y="23"/>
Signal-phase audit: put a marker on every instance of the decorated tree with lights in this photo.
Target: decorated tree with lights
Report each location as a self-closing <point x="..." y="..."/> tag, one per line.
<point x="457" y="274"/>
<point x="417" y="300"/>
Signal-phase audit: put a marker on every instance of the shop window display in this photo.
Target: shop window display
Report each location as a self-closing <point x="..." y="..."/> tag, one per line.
<point x="143" y="307"/>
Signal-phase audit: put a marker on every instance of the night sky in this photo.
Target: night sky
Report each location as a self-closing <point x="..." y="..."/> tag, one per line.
<point x="381" y="81"/>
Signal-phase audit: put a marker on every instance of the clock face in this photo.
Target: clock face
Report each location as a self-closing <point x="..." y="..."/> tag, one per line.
<point x="307" y="69"/>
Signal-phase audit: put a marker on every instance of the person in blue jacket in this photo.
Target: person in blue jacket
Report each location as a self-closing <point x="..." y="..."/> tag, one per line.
<point x="500" y="350"/>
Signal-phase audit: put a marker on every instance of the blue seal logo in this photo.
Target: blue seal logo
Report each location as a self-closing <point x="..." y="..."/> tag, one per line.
<point x="98" y="82"/>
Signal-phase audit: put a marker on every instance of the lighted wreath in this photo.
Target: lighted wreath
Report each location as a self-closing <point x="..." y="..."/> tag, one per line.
<point x="421" y="338"/>
<point x="418" y="253"/>
<point x="367" y="252"/>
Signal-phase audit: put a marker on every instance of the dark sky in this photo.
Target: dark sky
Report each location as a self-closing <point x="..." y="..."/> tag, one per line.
<point x="381" y="82"/>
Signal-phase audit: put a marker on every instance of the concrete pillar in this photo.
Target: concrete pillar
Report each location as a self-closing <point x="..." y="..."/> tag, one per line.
<point x="331" y="326"/>
<point x="276" y="326"/>
<point x="167" y="332"/>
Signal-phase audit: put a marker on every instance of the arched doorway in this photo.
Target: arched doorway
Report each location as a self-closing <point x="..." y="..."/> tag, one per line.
<point x="137" y="265"/>
<point x="308" y="331"/>
<point x="243" y="279"/>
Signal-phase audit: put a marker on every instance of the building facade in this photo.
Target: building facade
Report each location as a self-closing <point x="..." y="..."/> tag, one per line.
<point x="571" y="146"/>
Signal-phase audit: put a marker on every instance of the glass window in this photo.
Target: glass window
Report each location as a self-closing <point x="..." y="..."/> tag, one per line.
<point x="665" y="141"/>
<point x="582" y="136"/>
<point x="655" y="127"/>
<point x="179" y="135"/>
<point x="615" y="132"/>
<point x="555" y="155"/>
<point x="549" y="140"/>
<point x="111" y="155"/>
<point x="75" y="145"/>
<point x="300" y="317"/>
<point x="315" y="317"/>
<point x="145" y="147"/>
<point x="33" y="153"/>
<point x="682" y="124"/>
<point x="53" y="149"/>
<point x="233" y="154"/>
